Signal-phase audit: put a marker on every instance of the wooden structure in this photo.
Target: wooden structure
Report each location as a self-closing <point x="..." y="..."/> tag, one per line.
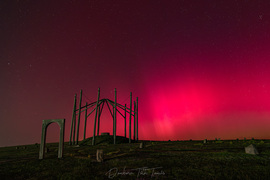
<point x="97" y="108"/>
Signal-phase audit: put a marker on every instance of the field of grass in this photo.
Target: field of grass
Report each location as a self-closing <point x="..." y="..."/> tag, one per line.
<point x="157" y="160"/>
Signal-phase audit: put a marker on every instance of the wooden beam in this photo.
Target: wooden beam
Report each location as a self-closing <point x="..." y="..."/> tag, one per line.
<point x="73" y="120"/>
<point x="130" y="117"/>
<point x="137" y="126"/>
<point x="94" y="132"/>
<point x="79" y="117"/>
<point x="85" y="122"/>
<point x="114" y="119"/>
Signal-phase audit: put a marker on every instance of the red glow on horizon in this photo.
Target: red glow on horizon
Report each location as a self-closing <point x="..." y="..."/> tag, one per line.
<point x="209" y="104"/>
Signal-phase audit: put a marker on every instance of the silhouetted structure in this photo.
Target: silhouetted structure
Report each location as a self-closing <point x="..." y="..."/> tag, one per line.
<point x="98" y="107"/>
<point x="45" y="124"/>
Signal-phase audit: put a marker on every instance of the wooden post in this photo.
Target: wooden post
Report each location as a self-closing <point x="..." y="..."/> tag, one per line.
<point x="85" y="121"/>
<point x="99" y="114"/>
<point x="79" y="117"/>
<point x="130" y="113"/>
<point x="98" y="120"/>
<point x="74" y="124"/>
<point x="114" y="119"/>
<point x="125" y="120"/>
<point x="137" y="119"/>
<point x="94" y="132"/>
<point x="72" y="120"/>
<point x="134" y="123"/>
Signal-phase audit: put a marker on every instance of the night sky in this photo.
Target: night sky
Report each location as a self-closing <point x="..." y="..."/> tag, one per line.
<point x="201" y="69"/>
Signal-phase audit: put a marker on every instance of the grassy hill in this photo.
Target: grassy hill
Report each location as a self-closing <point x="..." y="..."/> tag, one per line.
<point x="104" y="140"/>
<point x="163" y="159"/>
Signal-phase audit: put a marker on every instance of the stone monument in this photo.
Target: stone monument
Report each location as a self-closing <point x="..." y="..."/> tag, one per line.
<point x="251" y="149"/>
<point x="100" y="155"/>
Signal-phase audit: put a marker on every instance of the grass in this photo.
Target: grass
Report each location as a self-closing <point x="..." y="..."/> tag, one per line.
<point x="172" y="160"/>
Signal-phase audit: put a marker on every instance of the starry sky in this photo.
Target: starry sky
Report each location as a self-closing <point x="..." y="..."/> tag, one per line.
<point x="201" y="69"/>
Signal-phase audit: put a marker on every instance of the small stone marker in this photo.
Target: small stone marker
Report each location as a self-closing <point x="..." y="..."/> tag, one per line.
<point x="251" y="149"/>
<point x="24" y="147"/>
<point x="205" y="141"/>
<point x="47" y="150"/>
<point x="141" y="145"/>
<point x="100" y="155"/>
<point x="17" y="147"/>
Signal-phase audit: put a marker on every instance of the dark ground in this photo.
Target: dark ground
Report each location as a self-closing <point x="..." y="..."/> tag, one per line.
<point x="157" y="160"/>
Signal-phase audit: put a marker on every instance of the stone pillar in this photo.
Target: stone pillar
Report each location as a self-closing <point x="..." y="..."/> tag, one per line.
<point x="100" y="155"/>
<point x="141" y="145"/>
